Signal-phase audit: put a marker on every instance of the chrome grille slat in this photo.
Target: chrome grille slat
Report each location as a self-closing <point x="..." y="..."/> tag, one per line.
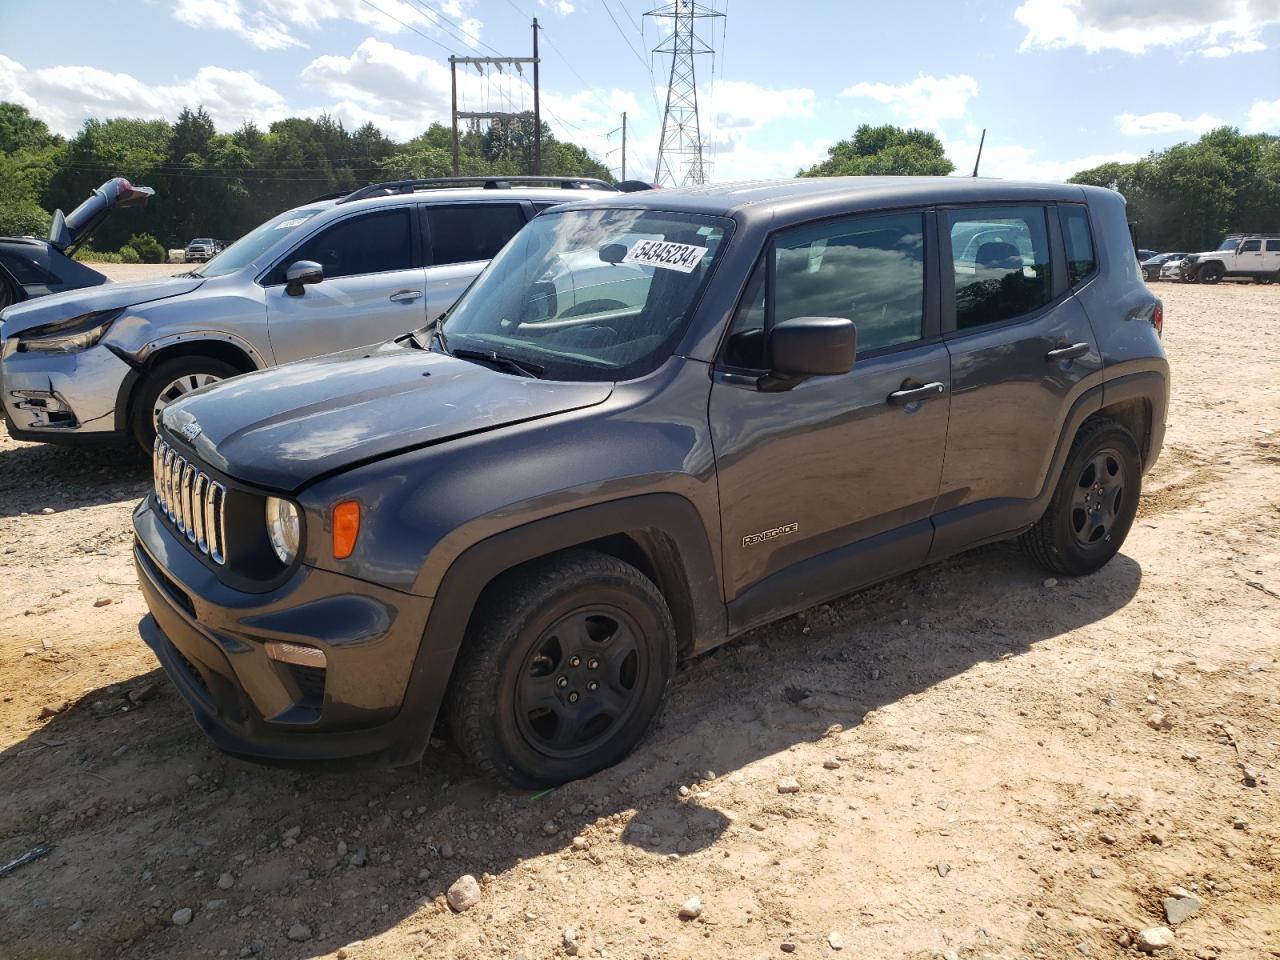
<point x="194" y="502"/>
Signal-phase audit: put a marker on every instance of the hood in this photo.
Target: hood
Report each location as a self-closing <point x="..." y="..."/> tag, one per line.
<point x="108" y="296"/>
<point x="75" y="228"/>
<point x="282" y="427"/>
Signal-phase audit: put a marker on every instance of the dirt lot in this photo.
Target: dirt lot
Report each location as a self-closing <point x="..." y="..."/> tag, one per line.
<point x="990" y="764"/>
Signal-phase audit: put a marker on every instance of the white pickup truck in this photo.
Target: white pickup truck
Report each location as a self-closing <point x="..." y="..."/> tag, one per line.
<point x="1255" y="255"/>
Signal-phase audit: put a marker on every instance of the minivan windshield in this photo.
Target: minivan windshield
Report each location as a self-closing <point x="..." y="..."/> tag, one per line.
<point x="596" y="294"/>
<point x="255" y="243"/>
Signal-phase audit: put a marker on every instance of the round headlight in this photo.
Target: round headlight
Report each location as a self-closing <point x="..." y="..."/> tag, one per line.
<point x="284" y="527"/>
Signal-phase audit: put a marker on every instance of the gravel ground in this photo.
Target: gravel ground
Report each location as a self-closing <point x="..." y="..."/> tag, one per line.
<point x="983" y="762"/>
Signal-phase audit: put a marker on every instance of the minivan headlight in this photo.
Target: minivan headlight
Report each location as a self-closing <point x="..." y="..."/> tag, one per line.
<point x="68" y="336"/>
<point x="284" y="527"/>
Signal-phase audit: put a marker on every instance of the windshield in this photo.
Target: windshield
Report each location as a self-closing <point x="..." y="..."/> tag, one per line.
<point x="1229" y="244"/>
<point x="255" y="243"/>
<point x="589" y="294"/>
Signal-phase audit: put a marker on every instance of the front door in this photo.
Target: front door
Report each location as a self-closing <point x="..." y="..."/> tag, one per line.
<point x="1022" y="351"/>
<point x="831" y="484"/>
<point x="373" y="289"/>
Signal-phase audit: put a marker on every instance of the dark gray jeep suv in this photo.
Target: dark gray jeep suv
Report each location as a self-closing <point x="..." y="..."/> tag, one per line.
<point x="654" y="422"/>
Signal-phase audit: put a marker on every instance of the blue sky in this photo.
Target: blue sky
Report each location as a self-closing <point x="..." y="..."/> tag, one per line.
<point x="1059" y="84"/>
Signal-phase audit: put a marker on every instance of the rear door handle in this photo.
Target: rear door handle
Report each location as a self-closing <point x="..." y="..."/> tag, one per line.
<point x="1073" y="352"/>
<point x="406" y="296"/>
<point x="900" y="398"/>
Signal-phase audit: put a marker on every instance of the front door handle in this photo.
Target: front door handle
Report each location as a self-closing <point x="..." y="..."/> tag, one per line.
<point x="1073" y="352"/>
<point x="406" y="296"/>
<point x="900" y="398"/>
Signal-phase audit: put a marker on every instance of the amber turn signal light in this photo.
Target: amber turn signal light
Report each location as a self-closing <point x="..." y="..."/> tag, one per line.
<point x="346" y="527"/>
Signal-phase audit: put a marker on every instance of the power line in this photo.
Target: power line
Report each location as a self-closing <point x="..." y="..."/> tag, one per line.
<point x="408" y="26"/>
<point x="618" y="27"/>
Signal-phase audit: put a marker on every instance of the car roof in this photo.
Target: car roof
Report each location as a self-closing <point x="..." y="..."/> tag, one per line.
<point x="468" y="194"/>
<point x="809" y="197"/>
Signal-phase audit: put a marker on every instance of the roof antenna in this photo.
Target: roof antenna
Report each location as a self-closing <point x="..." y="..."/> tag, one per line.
<point x="978" y="159"/>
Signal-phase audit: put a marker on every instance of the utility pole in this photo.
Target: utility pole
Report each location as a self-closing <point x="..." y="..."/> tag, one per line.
<point x="624" y="144"/>
<point x="680" y="150"/>
<point x="453" y="75"/>
<point x="480" y="63"/>
<point x="537" y="106"/>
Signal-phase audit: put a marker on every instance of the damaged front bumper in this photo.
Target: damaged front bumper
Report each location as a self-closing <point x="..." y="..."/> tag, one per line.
<point x="48" y="395"/>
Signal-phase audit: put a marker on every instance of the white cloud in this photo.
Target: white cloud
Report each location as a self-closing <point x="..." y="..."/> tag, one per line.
<point x="924" y="102"/>
<point x="562" y="7"/>
<point x="1264" y="117"/>
<point x="275" y="24"/>
<point x="741" y="105"/>
<point x="1215" y="28"/>
<point x="1014" y="162"/>
<point x="257" y="27"/>
<point x="64" y="96"/>
<point x="1143" y="125"/>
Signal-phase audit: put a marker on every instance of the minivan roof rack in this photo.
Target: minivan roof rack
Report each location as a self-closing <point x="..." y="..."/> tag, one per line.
<point x="488" y="183"/>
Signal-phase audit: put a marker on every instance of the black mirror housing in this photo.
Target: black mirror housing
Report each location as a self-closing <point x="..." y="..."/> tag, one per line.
<point x="301" y="273"/>
<point x="806" y="347"/>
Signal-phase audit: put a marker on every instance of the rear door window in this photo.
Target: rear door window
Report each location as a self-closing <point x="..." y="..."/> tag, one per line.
<point x="1001" y="264"/>
<point x="466" y="233"/>
<point x="1078" y="242"/>
<point x="1273" y="246"/>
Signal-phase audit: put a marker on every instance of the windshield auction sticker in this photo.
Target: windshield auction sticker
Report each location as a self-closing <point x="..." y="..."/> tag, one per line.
<point x="684" y="257"/>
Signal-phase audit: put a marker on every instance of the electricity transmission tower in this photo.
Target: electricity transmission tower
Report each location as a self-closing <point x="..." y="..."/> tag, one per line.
<point x="680" y="152"/>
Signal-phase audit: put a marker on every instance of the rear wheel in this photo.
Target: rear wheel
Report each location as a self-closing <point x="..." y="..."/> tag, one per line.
<point x="564" y="672"/>
<point x="1094" y="504"/>
<point x="1211" y="273"/>
<point x="166" y="383"/>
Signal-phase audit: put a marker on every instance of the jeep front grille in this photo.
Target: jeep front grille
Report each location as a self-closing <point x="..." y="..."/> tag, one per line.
<point x="193" y="501"/>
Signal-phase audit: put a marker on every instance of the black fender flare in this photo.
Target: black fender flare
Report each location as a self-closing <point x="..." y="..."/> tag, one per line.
<point x="459" y="589"/>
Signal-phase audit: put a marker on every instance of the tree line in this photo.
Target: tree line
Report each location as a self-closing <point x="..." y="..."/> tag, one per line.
<point x="1184" y="198"/>
<point x="222" y="185"/>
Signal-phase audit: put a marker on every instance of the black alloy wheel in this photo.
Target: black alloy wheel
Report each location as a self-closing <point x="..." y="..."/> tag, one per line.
<point x="1099" y="499"/>
<point x="580" y="681"/>
<point x="1094" y="503"/>
<point x="564" y="669"/>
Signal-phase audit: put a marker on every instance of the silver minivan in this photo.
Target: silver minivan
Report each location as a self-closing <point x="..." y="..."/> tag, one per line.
<point x="337" y="273"/>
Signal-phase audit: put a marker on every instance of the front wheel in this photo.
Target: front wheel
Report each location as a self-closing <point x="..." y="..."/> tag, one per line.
<point x="564" y="672"/>
<point x="1211" y="273"/>
<point x="1094" y="503"/>
<point x="166" y="383"/>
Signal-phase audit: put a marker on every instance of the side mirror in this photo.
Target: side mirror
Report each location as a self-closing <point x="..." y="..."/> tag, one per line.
<point x="299" y="274"/>
<point x="806" y="347"/>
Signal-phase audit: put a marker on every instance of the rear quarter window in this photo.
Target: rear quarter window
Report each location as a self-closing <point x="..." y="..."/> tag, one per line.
<point x="1077" y="240"/>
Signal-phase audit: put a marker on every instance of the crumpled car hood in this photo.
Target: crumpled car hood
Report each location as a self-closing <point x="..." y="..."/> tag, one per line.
<point x="282" y="427"/>
<point x="109" y="296"/>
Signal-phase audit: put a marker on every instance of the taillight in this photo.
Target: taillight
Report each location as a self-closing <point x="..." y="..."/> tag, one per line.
<point x="1157" y="318"/>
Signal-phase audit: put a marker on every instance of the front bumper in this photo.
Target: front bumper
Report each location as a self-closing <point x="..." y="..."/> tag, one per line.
<point x="52" y="395"/>
<point x="211" y="640"/>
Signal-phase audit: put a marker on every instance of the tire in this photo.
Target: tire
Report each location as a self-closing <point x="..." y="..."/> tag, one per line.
<point x="530" y="656"/>
<point x="1210" y="273"/>
<point x="1093" y="507"/>
<point x="191" y="372"/>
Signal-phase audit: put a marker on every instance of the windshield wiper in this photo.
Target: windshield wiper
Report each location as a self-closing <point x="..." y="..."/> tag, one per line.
<point x="522" y="367"/>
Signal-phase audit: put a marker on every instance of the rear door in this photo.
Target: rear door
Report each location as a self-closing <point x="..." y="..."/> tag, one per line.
<point x="1271" y="257"/>
<point x="831" y="483"/>
<point x="1022" y="351"/>
<point x="373" y="288"/>
<point x="460" y="239"/>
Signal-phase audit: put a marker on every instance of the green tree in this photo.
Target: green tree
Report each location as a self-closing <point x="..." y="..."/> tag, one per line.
<point x="885" y="150"/>
<point x="20" y="210"/>
<point x="21" y="131"/>
<point x="1189" y="196"/>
